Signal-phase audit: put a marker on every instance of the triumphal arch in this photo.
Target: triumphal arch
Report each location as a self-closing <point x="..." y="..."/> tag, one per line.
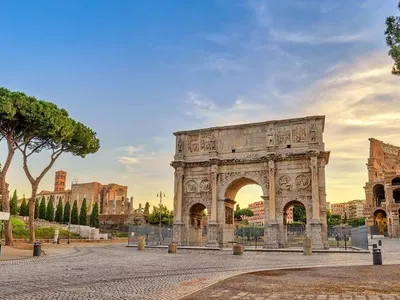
<point x="286" y="158"/>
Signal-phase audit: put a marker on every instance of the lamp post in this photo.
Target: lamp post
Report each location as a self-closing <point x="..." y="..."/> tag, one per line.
<point x="73" y="183"/>
<point x="160" y="195"/>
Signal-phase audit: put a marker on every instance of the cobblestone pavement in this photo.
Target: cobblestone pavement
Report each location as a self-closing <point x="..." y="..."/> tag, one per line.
<point x="118" y="272"/>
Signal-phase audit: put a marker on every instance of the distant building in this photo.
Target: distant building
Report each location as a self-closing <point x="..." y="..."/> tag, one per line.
<point x="351" y="209"/>
<point x="112" y="198"/>
<point x="258" y="210"/>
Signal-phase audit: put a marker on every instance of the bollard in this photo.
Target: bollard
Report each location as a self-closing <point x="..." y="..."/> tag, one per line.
<point x="380" y="243"/>
<point x="0" y="247"/>
<point x="376" y="256"/>
<point x="172" y="247"/>
<point x="238" y="249"/>
<point x="307" y="250"/>
<point x="141" y="243"/>
<point x="58" y="241"/>
<point x="37" y="249"/>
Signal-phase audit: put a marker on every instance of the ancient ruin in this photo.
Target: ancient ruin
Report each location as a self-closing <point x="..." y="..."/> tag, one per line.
<point x="286" y="158"/>
<point x="382" y="191"/>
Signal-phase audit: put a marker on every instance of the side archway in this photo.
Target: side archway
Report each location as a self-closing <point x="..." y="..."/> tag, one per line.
<point x="295" y="222"/>
<point x="379" y="194"/>
<point x="197" y="227"/>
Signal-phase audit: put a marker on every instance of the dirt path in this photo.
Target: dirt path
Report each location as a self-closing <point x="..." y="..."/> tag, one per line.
<point x="358" y="282"/>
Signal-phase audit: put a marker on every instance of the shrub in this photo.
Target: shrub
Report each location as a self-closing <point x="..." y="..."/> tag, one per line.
<point x="42" y="209"/>
<point x="59" y="211"/>
<point x="83" y="214"/>
<point x="50" y="210"/>
<point x="67" y="211"/>
<point x="74" y="214"/>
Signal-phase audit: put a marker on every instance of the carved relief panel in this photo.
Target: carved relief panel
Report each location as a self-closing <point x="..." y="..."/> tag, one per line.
<point x="228" y="215"/>
<point x="299" y="133"/>
<point x="283" y="135"/>
<point x="193" y="143"/>
<point x="179" y="145"/>
<point x="207" y="141"/>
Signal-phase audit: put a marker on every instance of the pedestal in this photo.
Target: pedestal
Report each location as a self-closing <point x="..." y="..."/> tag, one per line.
<point x="271" y="236"/>
<point x="316" y="234"/>
<point x="177" y="233"/>
<point x="212" y="235"/>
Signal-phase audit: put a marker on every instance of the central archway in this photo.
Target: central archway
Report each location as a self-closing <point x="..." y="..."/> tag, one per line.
<point x="248" y="223"/>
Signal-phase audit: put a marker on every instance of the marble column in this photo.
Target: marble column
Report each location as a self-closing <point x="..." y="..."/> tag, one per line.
<point x="212" y="228"/>
<point x="179" y="193"/>
<point x="178" y="227"/>
<point x="271" y="228"/>
<point x="214" y="175"/>
<point x="315" y="222"/>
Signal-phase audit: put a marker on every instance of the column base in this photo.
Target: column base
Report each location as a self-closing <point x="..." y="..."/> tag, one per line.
<point x="271" y="236"/>
<point x="212" y="235"/>
<point x="177" y="233"/>
<point x="316" y="234"/>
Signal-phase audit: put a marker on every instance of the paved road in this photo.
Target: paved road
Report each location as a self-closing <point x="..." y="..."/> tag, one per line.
<point x="118" y="272"/>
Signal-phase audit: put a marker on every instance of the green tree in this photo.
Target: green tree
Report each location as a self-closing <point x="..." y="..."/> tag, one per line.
<point x="146" y="208"/>
<point x="166" y="216"/>
<point x="241" y="214"/>
<point x="67" y="212"/>
<point x="94" y="217"/>
<point x="47" y="129"/>
<point x="23" y="210"/>
<point x="74" y="214"/>
<point x="14" y="204"/>
<point x="13" y="127"/>
<point x="83" y="213"/>
<point x="299" y="214"/>
<point x="37" y="214"/>
<point x="50" y="210"/>
<point x="59" y="212"/>
<point x="42" y="209"/>
<point x="333" y="220"/>
<point x="393" y="40"/>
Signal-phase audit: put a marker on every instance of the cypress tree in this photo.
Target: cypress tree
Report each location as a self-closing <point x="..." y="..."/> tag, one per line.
<point x="42" y="209"/>
<point x="23" y="210"/>
<point x="59" y="211"/>
<point x="74" y="214"/>
<point x="50" y="210"/>
<point x="94" y="217"/>
<point x="14" y="204"/>
<point x="36" y="208"/>
<point x="83" y="214"/>
<point x="67" y="211"/>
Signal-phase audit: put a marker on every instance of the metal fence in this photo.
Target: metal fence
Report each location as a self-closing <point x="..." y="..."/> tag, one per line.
<point x="359" y="237"/>
<point x="153" y="235"/>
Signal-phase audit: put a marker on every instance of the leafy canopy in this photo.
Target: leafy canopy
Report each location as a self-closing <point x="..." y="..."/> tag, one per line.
<point x="393" y="40"/>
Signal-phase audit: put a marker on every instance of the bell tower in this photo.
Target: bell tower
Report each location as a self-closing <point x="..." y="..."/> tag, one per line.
<point x="59" y="181"/>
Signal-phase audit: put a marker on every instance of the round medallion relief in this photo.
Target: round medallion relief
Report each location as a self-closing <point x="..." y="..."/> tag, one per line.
<point x="302" y="181"/>
<point x="285" y="182"/>
<point x="205" y="185"/>
<point x="191" y="186"/>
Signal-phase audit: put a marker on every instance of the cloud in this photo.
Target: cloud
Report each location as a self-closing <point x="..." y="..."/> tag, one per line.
<point x="315" y="39"/>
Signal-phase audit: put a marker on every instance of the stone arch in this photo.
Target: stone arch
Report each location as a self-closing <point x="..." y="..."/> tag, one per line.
<point x="197" y="224"/>
<point x="381" y="220"/>
<point x="396" y="195"/>
<point x="396" y="180"/>
<point x="229" y="189"/>
<point x="379" y="194"/>
<point x="294" y="236"/>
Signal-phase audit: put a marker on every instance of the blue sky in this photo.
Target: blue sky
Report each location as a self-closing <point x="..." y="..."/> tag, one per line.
<point x="135" y="71"/>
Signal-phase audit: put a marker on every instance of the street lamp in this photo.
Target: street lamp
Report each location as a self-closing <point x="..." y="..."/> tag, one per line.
<point x="73" y="183"/>
<point x="160" y="195"/>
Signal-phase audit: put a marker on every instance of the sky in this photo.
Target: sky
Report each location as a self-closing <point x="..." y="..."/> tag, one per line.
<point x="136" y="71"/>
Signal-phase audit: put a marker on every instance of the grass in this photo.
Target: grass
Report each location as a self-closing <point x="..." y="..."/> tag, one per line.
<point x="20" y="231"/>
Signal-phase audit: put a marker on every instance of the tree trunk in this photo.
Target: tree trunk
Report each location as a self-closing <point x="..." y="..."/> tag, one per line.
<point x="35" y="187"/>
<point x="4" y="192"/>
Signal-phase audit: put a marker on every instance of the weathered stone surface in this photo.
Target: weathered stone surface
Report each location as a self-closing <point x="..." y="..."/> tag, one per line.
<point x="382" y="191"/>
<point x="285" y="158"/>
